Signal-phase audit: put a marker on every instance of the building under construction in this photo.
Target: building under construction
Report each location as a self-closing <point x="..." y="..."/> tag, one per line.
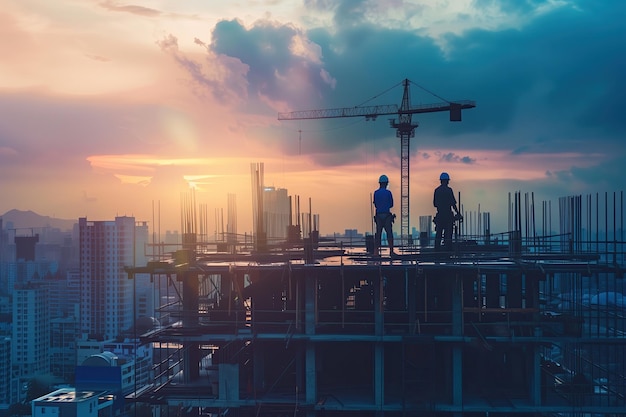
<point x="526" y="322"/>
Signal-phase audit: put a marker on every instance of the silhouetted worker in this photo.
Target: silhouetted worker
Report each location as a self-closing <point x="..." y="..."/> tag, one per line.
<point x="445" y="202"/>
<point x="383" y="201"/>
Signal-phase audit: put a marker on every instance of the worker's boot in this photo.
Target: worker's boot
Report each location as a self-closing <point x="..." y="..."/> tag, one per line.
<point x="376" y="245"/>
<point x="391" y="251"/>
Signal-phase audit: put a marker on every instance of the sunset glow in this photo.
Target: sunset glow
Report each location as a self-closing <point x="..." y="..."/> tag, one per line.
<point x="108" y="107"/>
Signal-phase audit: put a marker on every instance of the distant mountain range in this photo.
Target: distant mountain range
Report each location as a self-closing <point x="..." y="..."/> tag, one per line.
<point x="29" y="219"/>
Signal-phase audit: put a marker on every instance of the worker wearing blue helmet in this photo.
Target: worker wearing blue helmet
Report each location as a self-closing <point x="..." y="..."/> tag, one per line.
<point x="383" y="201"/>
<point x="445" y="203"/>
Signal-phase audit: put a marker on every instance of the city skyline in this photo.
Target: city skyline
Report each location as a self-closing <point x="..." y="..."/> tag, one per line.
<point x="111" y="108"/>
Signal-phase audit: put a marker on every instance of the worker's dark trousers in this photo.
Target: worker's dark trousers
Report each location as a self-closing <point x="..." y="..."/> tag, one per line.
<point x="384" y="221"/>
<point x="443" y="229"/>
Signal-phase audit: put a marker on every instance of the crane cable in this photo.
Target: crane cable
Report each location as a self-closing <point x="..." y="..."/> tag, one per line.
<point x="400" y="83"/>
<point x="396" y="85"/>
<point x="380" y="94"/>
<point x="430" y="92"/>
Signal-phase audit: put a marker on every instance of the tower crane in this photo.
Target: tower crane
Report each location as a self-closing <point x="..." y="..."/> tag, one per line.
<point x="405" y="130"/>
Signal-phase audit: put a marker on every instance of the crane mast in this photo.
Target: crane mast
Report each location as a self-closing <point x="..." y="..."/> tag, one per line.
<point x="405" y="130"/>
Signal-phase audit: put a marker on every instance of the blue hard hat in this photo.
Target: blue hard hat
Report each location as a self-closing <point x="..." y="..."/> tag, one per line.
<point x="444" y="176"/>
<point x="383" y="178"/>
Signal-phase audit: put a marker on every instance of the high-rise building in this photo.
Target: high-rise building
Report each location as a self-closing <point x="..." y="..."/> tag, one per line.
<point x="63" y="298"/>
<point x="31" y="330"/>
<point x="64" y="295"/>
<point x="5" y="373"/>
<point x="63" y="333"/>
<point x="276" y="212"/>
<point x="106" y="248"/>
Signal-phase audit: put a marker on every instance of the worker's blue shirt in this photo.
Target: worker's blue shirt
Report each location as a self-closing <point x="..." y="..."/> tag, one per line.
<point x="383" y="200"/>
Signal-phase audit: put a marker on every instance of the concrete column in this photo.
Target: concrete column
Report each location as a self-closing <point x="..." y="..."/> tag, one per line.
<point x="514" y="292"/>
<point x="457" y="350"/>
<point x="190" y="298"/>
<point x="411" y="280"/>
<point x="311" y="375"/>
<point x="532" y="301"/>
<point x="379" y="374"/>
<point x="229" y="381"/>
<point x="457" y="376"/>
<point x="258" y="368"/>
<point x="191" y="363"/>
<point x="379" y="312"/>
<point x="310" y="295"/>
<point x="535" y="372"/>
<point x="379" y="351"/>
<point x="457" y="305"/>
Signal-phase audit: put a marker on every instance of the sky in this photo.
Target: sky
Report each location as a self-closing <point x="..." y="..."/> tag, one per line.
<point x="111" y="108"/>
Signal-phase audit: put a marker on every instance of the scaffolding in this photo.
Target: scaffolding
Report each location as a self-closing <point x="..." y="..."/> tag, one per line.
<point x="530" y="323"/>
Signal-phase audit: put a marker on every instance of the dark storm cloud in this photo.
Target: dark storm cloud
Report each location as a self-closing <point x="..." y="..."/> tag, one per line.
<point x="604" y="176"/>
<point x="560" y="76"/>
<point x="569" y="62"/>
<point x="370" y="64"/>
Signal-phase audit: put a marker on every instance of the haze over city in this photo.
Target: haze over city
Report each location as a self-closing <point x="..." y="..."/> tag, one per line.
<point x="109" y="107"/>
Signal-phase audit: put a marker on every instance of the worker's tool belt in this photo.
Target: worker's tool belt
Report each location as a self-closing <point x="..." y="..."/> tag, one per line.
<point x="443" y="218"/>
<point x="383" y="218"/>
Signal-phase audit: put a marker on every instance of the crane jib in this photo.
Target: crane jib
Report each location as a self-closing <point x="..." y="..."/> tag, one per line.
<point x="371" y="112"/>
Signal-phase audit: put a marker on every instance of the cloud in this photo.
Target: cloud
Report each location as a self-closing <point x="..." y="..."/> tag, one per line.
<point x="263" y="69"/>
<point x="284" y="65"/>
<point x="521" y="150"/>
<point x="134" y="179"/>
<point x="552" y="84"/>
<point x="452" y="157"/>
<point x="565" y="62"/>
<point x="199" y="181"/>
<point x="603" y="176"/>
<point x="354" y="13"/>
<point x="515" y="7"/>
<point x="222" y="77"/>
<point x="130" y="8"/>
<point x="74" y="126"/>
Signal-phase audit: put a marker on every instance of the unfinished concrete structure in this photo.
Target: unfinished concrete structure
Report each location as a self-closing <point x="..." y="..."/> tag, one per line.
<point x="525" y="324"/>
